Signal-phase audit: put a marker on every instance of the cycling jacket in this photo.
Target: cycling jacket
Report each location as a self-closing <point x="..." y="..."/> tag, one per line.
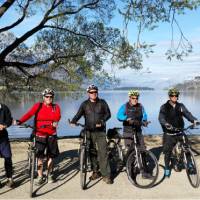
<point x="94" y="113"/>
<point x="174" y="115"/>
<point x="46" y="115"/>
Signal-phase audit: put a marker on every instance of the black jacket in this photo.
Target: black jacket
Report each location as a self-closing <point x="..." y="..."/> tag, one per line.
<point x="174" y="115"/>
<point x="5" y="119"/>
<point x="94" y="113"/>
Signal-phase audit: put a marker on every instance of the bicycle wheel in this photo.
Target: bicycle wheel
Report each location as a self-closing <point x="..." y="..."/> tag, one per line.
<point x="33" y="163"/>
<point x="145" y="173"/>
<point x="191" y="168"/>
<point x="83" y="167"/>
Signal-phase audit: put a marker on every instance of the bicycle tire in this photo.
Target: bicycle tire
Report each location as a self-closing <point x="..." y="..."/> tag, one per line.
<point x="83" y="167"/>
<point x="191" y="169"/>
<point x="115" y="156"/>
<point x="33" y="163"/>
<point x="135" y="175"/>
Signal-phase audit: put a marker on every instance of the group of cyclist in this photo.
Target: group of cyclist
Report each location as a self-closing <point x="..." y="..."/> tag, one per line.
<point x="96" y="112"/>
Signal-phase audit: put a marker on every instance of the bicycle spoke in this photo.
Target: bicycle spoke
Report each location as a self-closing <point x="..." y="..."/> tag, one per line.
<point x="145" y="173"/>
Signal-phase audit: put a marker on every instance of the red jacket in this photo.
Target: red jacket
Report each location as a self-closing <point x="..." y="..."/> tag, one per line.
<point x="45" y="117"/>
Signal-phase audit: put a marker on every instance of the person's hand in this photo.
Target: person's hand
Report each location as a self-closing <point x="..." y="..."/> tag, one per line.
<point x="145" y="123"/>
<point x="98" y="125"/>
<point x="168" y="126"/>
<point x="196" y="122"/>
<point x="71" y="124"/>
<point x="55" y="124"/>
<point x="15" y="122"/>
<point x="2" y="127"/>
<point x="130" y="121"/>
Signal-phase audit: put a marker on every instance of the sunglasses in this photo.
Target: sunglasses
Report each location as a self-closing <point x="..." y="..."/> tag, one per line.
<point x="95" y="92"/>
<point x="174" y="96"/>
<point x="49" y="97"/>
<point x="134" y="98"/>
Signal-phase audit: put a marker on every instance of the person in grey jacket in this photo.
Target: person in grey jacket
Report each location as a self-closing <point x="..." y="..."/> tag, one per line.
<point x="5" y="150"/>
<point x="171" y="116"/>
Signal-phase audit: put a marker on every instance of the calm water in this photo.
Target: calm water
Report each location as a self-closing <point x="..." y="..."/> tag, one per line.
<point x="151" y="100"/>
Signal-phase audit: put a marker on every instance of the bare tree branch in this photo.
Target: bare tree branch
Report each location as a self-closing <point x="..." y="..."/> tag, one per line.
<point x="51" y="58"/>
<point x="88" y="5"/>
<point x="5" y="7"/>
<point x="17" y="21"/>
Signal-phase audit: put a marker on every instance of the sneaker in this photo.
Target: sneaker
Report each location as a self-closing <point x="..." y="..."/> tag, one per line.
<point x="51" y="178"/>
<point x="147" y="176"/>
<point x="167" y="173"/>
<point x="40" y="181"/>
<point x="10" y="182"/>
<point x="95" y="175"/>
<point x="107" y="180"/>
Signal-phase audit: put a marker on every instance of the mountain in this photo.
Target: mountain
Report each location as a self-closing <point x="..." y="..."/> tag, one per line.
<point x="189" y="84"/>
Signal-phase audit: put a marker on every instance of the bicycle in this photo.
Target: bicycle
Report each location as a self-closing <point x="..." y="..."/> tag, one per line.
<point x="141" y="165"/>
<point x="84" y="155"/>
<point x="31" y="154"/>
<point x="182" y="156"/>
<point x="31" y="157"/>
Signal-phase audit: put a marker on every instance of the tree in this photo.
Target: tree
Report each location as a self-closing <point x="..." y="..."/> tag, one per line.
<point x="72" y="36"/>
<point x="148" y="14"/>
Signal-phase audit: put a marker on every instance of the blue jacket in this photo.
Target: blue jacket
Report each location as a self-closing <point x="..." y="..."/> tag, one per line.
<point x="121" y="115"/>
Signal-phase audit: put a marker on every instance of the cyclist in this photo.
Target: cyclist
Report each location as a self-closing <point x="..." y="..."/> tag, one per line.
<point x="96" y="112"/>
<point x="46" y="120"/>
<point x="5" y="150"/>
<point x="171" y="116"/>
<point x="133" y="116"/>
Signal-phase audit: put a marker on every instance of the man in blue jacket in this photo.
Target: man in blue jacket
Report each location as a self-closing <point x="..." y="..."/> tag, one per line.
<point x="133" y="116"/>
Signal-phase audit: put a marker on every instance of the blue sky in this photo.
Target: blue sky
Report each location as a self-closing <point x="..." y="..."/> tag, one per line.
<point x="157" y="70"/>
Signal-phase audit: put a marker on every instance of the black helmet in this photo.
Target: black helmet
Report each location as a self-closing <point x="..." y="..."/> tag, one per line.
<point x="92" y="87"/>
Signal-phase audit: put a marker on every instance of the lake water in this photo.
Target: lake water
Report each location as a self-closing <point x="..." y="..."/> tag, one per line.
<point x="151" y="100"/>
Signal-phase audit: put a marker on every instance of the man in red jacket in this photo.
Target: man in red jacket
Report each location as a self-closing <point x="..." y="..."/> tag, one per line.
<point x="46" y="120"/>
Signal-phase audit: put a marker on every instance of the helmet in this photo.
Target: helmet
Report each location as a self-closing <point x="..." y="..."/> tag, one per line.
<point x="92" y="87"/>
<point x="48" y="91"/>
<point x="173" y="91"/>
<point x="133" y="93"/>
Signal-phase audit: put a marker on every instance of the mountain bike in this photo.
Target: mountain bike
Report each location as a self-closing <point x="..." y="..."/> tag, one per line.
<point x="84" y="155"/>
<point x="31" y="158"/>
<point x="141" y="165"/>
<point x="182" y="156"/>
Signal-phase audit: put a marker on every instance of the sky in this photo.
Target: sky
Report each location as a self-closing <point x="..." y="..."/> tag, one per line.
<point x="157" y="71"/>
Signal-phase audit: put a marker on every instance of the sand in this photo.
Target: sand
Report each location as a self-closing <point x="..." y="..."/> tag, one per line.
<point x="67" y="185"/>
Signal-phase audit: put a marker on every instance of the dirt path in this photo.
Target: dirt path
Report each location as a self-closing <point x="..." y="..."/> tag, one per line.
<point x="68" y="187"/>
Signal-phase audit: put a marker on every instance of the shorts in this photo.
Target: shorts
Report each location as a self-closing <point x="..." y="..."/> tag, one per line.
<point x="49" y="144"/>
<point x="5" y="150"/>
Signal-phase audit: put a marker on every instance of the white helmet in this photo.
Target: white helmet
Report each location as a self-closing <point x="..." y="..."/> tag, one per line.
<point x="48" y="91"/>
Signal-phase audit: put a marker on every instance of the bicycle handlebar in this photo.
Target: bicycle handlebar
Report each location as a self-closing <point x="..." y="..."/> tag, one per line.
<point x="76" y="124"/>
<point x="191" y="126"/>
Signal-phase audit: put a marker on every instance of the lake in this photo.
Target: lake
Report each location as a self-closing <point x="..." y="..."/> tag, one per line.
<point x="151" y="100"/>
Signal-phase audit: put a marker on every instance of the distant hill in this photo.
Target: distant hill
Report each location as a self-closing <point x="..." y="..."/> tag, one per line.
<point x="133" y="88"/>
<point x="189" y="84"/>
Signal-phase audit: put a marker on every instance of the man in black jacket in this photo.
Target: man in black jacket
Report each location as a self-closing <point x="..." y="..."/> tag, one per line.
<point x="5" y="150"/>
<point x="171" y="116"/>
<point x="96" y="112"/>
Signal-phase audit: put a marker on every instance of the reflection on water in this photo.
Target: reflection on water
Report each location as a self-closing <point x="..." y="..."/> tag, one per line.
<point x="19" y="103"/>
